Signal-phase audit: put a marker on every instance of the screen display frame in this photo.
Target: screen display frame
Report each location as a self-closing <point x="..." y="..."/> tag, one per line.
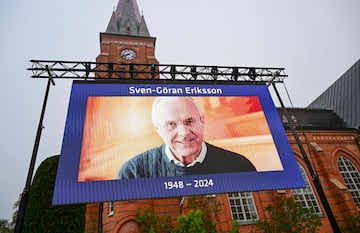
<point x="69" y="189"/>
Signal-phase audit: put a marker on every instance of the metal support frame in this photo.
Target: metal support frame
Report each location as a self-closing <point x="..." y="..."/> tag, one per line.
<point x="51" y="70"/>
<point x="314" y="175"/>
<point x="109" y="70"/>
<point x="24" y="197"/>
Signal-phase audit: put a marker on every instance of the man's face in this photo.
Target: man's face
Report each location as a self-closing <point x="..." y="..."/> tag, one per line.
<point x="181" y="127"/>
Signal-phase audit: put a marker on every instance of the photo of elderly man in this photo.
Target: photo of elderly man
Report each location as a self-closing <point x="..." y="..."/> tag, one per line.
<point x="180" y="124"/>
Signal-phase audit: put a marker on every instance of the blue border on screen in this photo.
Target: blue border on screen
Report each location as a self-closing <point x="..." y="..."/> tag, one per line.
<point x="69" y="191"/>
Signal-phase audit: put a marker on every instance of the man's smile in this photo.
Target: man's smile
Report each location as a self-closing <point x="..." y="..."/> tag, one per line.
<point x="186" y="141"/>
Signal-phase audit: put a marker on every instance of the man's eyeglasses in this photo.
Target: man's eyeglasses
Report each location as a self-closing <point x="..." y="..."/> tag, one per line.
<point x="171" y="125"/>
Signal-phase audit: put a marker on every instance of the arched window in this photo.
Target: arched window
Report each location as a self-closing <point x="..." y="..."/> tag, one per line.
<point x="305" y="196"/>
<point x="243" y="207"/>
<point x="351" y="176"/>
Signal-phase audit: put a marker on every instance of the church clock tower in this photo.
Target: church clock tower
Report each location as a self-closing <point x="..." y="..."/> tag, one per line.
<point x="127" y="38"/>
<point x="126" y="41"/>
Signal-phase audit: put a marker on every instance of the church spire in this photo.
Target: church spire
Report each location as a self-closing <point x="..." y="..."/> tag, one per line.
<point x="126" y="20"/>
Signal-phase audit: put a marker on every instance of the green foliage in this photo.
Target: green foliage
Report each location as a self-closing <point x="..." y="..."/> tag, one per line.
<point x="208" y="210"/>
<point x="5" y="226"/>
<point x="14" y="216"/>
<point x="287" y="216"/>
<point x="40" y="215"/>
<point x="235" y="227"/>
<point x="198" y="219"/>
<point x="351" y="224"/>
<point x="191" y="223"/>
<point x="150" y="223"/>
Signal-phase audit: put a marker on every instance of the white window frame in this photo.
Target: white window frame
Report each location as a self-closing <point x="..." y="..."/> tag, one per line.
<point x="351" y="177"/>
<point x="306" y="196"/>
<point x="243" y="208"/>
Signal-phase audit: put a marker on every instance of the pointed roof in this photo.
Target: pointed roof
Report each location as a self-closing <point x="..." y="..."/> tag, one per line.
<point x="126" y="20"/>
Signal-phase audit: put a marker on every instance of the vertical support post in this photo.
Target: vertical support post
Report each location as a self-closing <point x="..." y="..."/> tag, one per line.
<point x="172" y="71"/>
<point x="214" y="72"/>
<point x="25" y="194"/>
<point x="131" y="71"/>
<point x="313" y="174"/>
<point x="193" y="72"/>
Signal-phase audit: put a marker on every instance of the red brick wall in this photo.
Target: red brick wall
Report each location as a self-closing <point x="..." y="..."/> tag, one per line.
<point x="92" y="218"/>
<point x="324" y="162"/>
<point x="111" y="46"/>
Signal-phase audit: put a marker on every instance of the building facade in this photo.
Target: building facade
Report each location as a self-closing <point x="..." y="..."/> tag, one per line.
<point x="332" y="148"/>
<point x="334" y="152"/>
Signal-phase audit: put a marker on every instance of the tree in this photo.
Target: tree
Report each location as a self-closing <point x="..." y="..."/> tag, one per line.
<point x="40" y="215"/>
<point x="198" y="220"/>
<point x="15" y="214"/>
<point x="5" y="226"/>
<point x="209" y="209"/>
<point x="287" y="216"/>
<point x="150" y="223"/>
<point x="192" y="223"/>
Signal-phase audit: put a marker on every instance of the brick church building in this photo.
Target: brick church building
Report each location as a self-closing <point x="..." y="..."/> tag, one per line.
<point x="333" y="150"/>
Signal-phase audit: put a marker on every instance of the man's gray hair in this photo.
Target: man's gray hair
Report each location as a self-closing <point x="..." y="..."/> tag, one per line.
<point x="160" y="98"/>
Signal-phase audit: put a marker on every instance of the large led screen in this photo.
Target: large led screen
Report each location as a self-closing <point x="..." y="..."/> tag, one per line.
<point x="151" y="139"/>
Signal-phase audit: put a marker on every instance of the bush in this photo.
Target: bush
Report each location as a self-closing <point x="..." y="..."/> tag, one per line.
<point x="287" y="216"/>
<point x="195" y="222"/>
<point x="40" y="215"/>
<point x="150" y="223"/>
<point x="351" y="224"/>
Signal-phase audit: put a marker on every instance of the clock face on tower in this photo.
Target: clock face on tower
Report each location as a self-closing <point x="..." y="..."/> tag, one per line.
<point x="128" y="54"/>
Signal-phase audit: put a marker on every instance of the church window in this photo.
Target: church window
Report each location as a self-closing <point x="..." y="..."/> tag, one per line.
<point x="243" y="208"/>
<point x="351" y="176"/>
<point x="305" y="196"/>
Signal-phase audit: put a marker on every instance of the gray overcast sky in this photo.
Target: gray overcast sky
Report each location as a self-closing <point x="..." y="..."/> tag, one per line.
<point x="316" y="41"/>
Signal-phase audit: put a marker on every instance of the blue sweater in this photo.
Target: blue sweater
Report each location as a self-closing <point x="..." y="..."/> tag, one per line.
<point x="155" y="163"/>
